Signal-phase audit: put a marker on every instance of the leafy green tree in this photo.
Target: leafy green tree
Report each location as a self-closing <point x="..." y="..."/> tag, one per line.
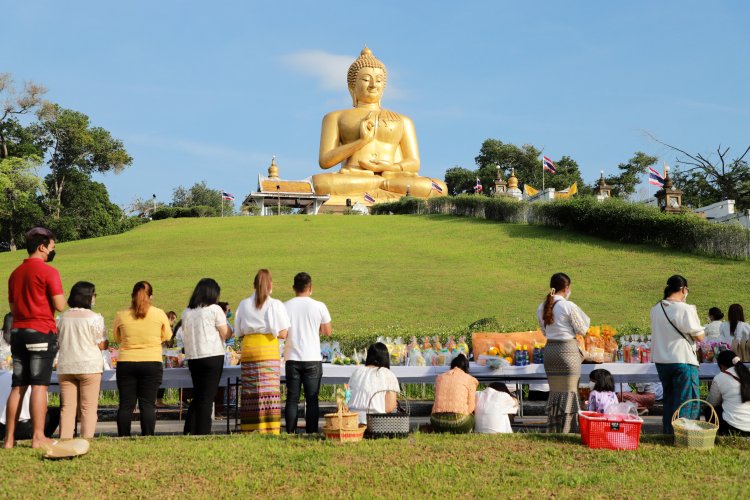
<point x="20" y="185"/>
<point x="201" y="195"/>
<point x="15" y="104"/>
<point x="631" y="173"/>
<point x="525" y="159"/>
<point x="86" y="210"/>
<point x="74" y="146"/>
<point x="460" y="180"/>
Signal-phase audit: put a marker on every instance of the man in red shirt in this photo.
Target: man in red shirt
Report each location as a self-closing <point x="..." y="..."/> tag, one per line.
<point x="34" y="293"/>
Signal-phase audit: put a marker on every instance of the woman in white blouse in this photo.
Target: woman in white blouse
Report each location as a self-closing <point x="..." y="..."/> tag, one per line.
<point x="736" y="332"/>
<point x="675" y="328"/>
<point x="259" y="323"/>
<point x="730" y="394"/>
<point x="79" y="365"/>
<point x="204" y="330"/>
<point x="560" y="320"/>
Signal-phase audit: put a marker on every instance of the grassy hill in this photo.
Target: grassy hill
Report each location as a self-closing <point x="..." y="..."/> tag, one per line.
<point x="403" y="274"/>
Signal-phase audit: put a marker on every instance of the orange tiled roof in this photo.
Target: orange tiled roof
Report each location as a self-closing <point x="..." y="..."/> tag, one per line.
<point x="269" y="186"/>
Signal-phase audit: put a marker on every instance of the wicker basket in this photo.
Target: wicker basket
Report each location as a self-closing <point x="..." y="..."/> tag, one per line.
<point x="703" y="438"/>
<point x="343" y="426"/>
<point x="392" y="425"/>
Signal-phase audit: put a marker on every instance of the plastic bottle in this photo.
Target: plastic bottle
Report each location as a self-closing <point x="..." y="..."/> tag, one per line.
<point x="518" y="358"/>
<point x="525" y="355"/>
<point x="426" y="344"/>
<point x="634" y="350"/>
<point x="644" y="351"/>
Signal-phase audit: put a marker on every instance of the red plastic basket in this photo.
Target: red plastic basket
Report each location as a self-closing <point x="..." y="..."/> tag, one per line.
<point x="611" y="432"/>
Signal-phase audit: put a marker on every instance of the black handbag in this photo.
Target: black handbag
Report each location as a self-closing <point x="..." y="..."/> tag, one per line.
<point x="392" y="425"/>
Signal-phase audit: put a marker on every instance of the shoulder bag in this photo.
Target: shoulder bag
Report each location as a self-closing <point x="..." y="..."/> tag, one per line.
<point x="691" y="344"/>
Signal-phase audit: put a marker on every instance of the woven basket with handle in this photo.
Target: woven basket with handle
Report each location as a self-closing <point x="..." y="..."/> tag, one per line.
<point x="695" y="433"/>
<point x="393" y="425"/>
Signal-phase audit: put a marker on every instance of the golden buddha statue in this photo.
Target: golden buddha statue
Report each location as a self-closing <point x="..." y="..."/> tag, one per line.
<point x="377" y="148"/>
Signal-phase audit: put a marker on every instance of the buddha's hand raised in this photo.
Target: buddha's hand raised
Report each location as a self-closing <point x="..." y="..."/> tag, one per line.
<point x="369" y="127"/>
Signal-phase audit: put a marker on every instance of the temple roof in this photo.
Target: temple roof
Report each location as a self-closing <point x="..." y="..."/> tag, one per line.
<point x="279" y="186"/>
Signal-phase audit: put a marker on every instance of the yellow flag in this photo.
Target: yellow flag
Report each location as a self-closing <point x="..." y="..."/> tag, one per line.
<point x="529" y="191"/>
<point x="573" y="189"/>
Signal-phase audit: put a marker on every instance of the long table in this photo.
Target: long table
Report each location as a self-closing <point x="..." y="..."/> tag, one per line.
<point x="340" y="374"/>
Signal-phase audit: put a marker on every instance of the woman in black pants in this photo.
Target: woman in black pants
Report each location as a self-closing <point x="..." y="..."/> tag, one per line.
<point x="204" y="330"/>
<point x="139" y="331"/>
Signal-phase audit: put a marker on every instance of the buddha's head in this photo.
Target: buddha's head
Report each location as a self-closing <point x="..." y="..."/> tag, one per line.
<point x="366" y="78"/>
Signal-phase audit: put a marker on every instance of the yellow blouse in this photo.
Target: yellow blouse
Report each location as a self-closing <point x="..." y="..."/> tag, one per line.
<point x="140" y="339"/>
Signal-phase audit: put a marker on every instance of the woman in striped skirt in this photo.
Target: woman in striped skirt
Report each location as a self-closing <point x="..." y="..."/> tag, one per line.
<point x="260" y="322"/>
<point x="560" y="321"/>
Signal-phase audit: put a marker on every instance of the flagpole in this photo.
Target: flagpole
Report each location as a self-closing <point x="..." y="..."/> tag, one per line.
<point x="542" y="174"/>
<point x="222" y="203"/>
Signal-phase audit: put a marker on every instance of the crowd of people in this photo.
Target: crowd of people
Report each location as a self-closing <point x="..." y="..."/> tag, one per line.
<point x="78" y="335"/>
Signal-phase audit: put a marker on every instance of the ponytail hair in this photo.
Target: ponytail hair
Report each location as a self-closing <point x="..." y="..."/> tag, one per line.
<point x="675" y="284"/>
<point x="558" y="281"/>
<point x="141" y="299"/>
<point x="735" y="314"/>
<point x="728" y="359"/>
<point x="262" y="285"/>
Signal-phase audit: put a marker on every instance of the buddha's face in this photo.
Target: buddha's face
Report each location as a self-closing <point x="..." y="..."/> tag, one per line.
<point x="369" y="86"/>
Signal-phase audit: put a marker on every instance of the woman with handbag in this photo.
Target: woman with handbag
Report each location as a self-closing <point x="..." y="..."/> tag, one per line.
<point x="675" y="328"/>
<point x="374" y="386"/>
<point x="560" y="320"/>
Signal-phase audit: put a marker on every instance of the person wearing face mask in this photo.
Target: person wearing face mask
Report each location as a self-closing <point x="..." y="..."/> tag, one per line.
<point x="560" y="320"/>
<point x="35" y="292"/>
<point x="675" y="328"/>
<point x="80" y="363"/>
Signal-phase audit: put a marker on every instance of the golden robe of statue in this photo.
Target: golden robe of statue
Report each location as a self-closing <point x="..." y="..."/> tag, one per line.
<point x="376" y="147"/>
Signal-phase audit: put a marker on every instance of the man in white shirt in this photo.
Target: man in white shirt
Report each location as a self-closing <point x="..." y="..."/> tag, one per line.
<point x="309" y="319"/>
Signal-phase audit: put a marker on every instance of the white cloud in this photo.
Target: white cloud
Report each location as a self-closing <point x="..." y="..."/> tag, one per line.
<point x="329" y="69"/>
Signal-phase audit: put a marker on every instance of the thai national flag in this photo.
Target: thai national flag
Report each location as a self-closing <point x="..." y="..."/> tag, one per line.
<point x="227" y="196"/>
<point x="548" y="165"/>
<point x="369" y="199"/>
<point x="478" y="188"/>
<point x="655" y="178"/>
<point x="437" y="187"/>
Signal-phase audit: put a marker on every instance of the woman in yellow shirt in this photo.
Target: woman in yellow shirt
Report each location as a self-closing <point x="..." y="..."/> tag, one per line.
<point x="139" y="330"/>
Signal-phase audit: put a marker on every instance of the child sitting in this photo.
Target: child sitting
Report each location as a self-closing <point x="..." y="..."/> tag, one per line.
<point x="602" y="390"/>
<point x="494" y="404"/>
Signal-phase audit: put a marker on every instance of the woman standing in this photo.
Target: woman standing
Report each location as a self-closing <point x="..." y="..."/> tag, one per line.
<point x="79" y="366"/>
<point x="560" y="321"/>
<point x="204" y="327"/>
<point x="675" y="327"/>
<point x="139" y="330"/>
<point x="260" y="322"/>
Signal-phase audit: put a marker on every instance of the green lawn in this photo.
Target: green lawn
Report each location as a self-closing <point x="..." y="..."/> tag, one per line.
<point x="397" y="274"/>
<point x="519" y="465"/>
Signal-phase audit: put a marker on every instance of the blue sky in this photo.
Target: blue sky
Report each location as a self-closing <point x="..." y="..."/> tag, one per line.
<point x="211" y="90"/>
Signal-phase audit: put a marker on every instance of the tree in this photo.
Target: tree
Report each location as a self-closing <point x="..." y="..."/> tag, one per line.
<point x="623" y="185"/>
<point x="460" y="180"/>
<point x="16" y="104"/>
<point x="86" y="210"/>
<point x="525" y="159"/>
<point x="72" y="145"/>
<point x="20" y="185"/>
<point x="200" y="195"/>
<point x="709" y="179"/>
<point x="143" y="206"/>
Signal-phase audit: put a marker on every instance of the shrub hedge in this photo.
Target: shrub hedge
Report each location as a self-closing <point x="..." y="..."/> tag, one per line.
<point x="612" y="219"/>
<point x="179" y="212"/>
